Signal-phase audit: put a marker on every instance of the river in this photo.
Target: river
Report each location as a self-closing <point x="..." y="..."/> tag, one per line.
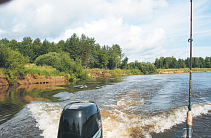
<point x="132" y="106"/>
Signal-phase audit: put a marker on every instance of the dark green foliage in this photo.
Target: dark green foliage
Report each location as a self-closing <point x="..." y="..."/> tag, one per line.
<point x="145" y="68"/>
<point x="208" y="62"/>
<point x="171" y="62"/>
<point x="83" y="50"/>
<point x="202" y="63"/>
<point x="60" y="45"/>
<point x="187" y="62"/>
<point x="36" y="49"/>
<point x="4" y="41"/>
<point x="199" y="62"/>
<point x="60" y="61"/>
<point x="26" y="47"/>
<point x="87" y="50"/>
<point x="14" y="45"/>
<point x="114" y="56"/>
<point x="13" y="63"/>
<point x="102" y="58"/>
<point x="124" y="63"/>
<point x="63" y="63"/>
<point x="45" y="47"/>
<point x="2" y="55"/>
<point x="181" y="63"/>
<point x="72" y="46"/>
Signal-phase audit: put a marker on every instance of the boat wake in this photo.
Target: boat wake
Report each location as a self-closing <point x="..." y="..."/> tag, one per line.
<point x="117" y="122"/>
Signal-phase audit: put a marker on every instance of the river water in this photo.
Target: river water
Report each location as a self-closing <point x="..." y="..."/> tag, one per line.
<point x="132" y="106"/>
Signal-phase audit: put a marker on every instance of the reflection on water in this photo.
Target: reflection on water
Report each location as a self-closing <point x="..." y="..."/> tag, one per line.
<point x="14" y="98"/>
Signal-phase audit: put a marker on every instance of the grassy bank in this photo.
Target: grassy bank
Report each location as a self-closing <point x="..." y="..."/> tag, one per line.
<point x="96" y="72"/>
<point x="125" y="72"/>
<point x="38" y="72"/>
<point x="184" y="70"/>
<point x="1" y="71"/>
<point x="48" y="71"/>
<point x="201" y="69"/>
<point x="102" y="73"/>
<point x="42" y="70"/>
<point x="32" y="74"/>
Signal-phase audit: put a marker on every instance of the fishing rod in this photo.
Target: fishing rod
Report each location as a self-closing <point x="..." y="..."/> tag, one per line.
<point x="189" y="113"/>
<point x="187" y="132"/>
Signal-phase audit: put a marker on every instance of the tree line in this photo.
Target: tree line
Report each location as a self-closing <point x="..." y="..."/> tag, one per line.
<point x="83" y="50"/>
<point x="76" y="53"/>
<point x="172" y="62"/>
<point x="70" y="56"/>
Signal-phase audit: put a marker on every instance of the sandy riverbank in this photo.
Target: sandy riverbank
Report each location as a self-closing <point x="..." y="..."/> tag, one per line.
<point x="94" y="73"/>
<point x="185" y="70"/>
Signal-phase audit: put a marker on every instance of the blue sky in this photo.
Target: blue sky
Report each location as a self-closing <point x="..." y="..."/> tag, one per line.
<point x="145" y="29"/>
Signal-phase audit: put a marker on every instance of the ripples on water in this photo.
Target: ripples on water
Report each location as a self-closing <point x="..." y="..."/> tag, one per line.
<point x="138" y="106"/>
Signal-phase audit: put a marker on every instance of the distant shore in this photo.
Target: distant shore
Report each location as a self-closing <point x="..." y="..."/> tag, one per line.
<point x="93" y="73"/>
<point x="185" y="70"/>
<point x="100" y="73"/>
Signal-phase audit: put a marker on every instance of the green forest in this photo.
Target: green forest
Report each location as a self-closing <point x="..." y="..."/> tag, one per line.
<point x="171" y="62"/>
<point x="75" y="55"/>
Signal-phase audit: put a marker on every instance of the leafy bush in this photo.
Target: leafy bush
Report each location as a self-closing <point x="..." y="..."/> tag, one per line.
<point x="52" y="59"/>
<point x="63" y="63"/>
<point x="134" y="71"/>
<point x="147" y="68"/>
<point x="13" y="63"/>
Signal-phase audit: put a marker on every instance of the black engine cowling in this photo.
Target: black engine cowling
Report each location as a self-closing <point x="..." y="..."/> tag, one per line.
<point x="80" y="120"/>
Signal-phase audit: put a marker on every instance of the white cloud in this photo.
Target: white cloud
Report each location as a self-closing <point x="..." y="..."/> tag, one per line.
<point x="131" y="38"/>
<point x="202" y="51"/>
<point x="145" y="29"/>
<point x="155" y="38"/>
<point x="133" y="9"/>
<point x="1" y="31"/>
<point x="21" y="27"/>
<point x="44" y="15"/>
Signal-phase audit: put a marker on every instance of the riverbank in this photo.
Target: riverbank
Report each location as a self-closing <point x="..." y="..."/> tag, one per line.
<point x="44" y="76"/>
<point x="185" y="70"/>
<point x="34" y="75"/>
<point x="47" y="75"/>
<point x="102" y="73"/>
<point x="35" y="79"/>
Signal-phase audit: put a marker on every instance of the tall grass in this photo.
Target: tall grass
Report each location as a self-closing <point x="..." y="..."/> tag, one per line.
<point x="118" y="71"/>
<point x="185" y="70"/>
<point x="133" y="71"/>
<point x="42" y="70"/>
<point x="1" y="71"/>
<point x="202" y="69"/>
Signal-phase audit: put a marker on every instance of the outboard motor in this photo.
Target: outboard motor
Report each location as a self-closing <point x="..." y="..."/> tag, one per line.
<point x="80" y="120"/>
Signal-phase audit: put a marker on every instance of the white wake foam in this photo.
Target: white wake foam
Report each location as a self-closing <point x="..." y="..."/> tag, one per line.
<point x="47" y="116"/>
<point x="116" y="123"/>
<point x="124" y="125"/>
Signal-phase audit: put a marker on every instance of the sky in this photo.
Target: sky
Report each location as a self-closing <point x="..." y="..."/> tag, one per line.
<point x="144" y="29"/>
